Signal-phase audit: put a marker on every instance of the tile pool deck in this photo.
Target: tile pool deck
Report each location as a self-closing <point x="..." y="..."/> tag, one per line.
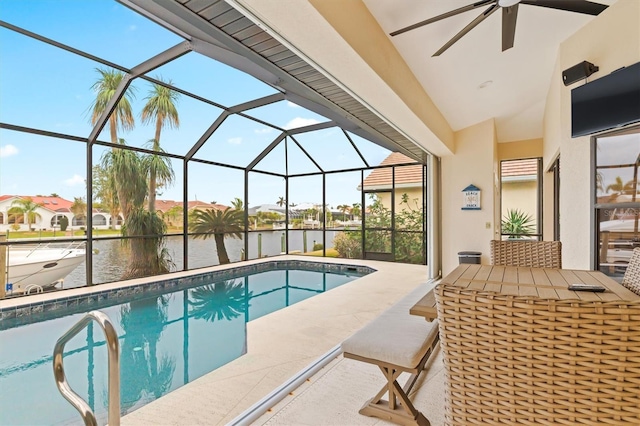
<point x="283" y="343"/>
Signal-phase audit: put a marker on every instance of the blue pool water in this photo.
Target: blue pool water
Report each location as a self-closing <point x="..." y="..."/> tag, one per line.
<point x="166" y="340"/>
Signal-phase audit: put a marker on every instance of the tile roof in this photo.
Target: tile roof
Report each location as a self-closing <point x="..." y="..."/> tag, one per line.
<point x="519" y="168"/>
<point x="56" y="204"/>
<point x="164" y="205"/>
<point x="404" y="175"/>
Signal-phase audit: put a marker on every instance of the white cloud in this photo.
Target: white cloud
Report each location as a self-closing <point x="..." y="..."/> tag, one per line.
<point x="74" y="181"/>
<point x="263" y="131"/>
<point x="235" y="141"/>
<point x="8" y="150"/>
<point x="292" y="105"/>
<point x="300" y="122"/>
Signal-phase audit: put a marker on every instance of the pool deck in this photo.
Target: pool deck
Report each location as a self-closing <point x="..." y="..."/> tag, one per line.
<point x="284" y="342"/>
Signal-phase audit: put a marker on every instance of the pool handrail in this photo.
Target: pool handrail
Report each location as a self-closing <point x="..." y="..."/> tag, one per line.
<point x="112" y="344"/>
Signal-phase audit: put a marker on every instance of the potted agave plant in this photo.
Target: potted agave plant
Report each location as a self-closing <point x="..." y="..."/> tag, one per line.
<point x="517" y="224"/>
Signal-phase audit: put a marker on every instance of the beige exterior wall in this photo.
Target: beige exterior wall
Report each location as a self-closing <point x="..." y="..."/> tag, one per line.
<point x="611" y="41"/>
<point x="520" y="195"/>
<point x="414" y="193"/>
<point x="519" y="150"/>
<point x="475" y="162"/>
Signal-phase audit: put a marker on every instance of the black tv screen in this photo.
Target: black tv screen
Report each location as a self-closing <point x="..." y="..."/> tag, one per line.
<point x="606" y="103"/>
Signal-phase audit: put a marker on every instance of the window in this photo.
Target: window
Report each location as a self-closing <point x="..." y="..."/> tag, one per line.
<point x="617" y="199"/>
<point x="520" y="197"/>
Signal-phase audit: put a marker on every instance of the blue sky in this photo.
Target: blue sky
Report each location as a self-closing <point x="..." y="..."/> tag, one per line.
<point x="47" y="88"/>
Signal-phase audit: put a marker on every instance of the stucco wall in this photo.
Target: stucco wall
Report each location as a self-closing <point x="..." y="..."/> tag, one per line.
<point x="530" y="148"/>
<point x="610" y="41"/>
<point x="473" y="163"/>
<point x="414" y="194"/>
<point x="520" y="195"/>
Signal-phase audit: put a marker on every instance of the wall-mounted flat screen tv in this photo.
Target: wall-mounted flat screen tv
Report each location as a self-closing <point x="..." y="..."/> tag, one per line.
<point x="606" y="103"/>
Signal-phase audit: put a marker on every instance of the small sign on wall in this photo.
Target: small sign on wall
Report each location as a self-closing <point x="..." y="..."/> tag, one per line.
<point x="471" y="198"/>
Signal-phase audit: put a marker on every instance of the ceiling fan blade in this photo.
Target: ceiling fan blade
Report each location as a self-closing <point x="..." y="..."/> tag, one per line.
<point x="443" y="16"/>
<point x="578" y="6"/>
<point x="484" y="15"/>
<point x="509" y="17"/>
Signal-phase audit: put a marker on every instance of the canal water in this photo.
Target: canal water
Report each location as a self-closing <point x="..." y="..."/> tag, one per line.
<point x="110" y="258"/>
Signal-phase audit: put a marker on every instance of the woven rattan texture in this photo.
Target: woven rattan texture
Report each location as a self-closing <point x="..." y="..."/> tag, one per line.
<point x="631" y="278"/>
<point x="531" y="361"/>
<point x="535" y="254"/>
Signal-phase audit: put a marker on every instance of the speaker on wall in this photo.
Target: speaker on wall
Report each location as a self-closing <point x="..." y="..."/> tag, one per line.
<point x="577" y="72"/>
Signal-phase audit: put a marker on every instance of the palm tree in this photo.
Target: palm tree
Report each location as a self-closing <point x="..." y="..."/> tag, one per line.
<point x="129" y="177"/>
<point x="281" y="201"/>
<point x="355" y="210"/>
<point x="159" y="170"/>
<point x="27" y="207"/>
<point x="217" y="222"/>
<point x="161" y="108"/>
<point x="237" y="204"/>
<point x="148" y="254"/>
<point x="619" y="187"/>
<point x="220" y="300"/>
<point x="105" y="88"/>
<point x="143" y="322"/>
<point x="121" y="118"/>
<point x="599" y="182"/>
<point x="344" y="209"/>
<point x="79" y="208"/>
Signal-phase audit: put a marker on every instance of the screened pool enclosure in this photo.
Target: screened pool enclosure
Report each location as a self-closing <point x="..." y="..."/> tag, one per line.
<point x="162" y="152"/>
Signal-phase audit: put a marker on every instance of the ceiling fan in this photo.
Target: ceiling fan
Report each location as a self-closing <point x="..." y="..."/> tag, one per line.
<point x="509" y="16"/>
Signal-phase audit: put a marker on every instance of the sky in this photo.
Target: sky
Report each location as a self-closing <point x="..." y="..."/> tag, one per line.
<point x="49" y="89"/>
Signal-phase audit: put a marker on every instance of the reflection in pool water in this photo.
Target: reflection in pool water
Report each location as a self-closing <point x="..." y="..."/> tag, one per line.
<point x="166" y="341"/>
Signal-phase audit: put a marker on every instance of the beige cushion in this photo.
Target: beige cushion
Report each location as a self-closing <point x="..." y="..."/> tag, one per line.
<point x="395" y="336"/>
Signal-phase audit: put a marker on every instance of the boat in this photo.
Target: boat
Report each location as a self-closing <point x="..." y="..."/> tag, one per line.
<point x="35" y="268"/>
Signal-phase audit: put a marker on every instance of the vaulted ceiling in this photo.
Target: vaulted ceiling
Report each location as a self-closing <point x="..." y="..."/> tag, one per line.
<point x="470" y="82"/>
<point x="474" y="79"/>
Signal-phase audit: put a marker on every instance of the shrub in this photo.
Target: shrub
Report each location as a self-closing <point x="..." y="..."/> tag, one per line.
<point x="64" y="223"/>
<point x="348" y="244"/>
<point x="15" y="227"/>
<point x="317" y="246"/>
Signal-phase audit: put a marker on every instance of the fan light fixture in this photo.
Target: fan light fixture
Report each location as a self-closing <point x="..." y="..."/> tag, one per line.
<point x="509" y="16"/>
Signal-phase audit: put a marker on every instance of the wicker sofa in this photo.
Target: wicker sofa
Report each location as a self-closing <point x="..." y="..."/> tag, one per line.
<point x="532" y="361"/>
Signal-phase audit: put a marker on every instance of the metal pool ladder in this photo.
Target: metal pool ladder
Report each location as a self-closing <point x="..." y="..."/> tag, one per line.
<point x="112" y="344"/>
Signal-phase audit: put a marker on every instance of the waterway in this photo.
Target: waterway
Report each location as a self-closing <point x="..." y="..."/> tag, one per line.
<point x="110" y="256"/>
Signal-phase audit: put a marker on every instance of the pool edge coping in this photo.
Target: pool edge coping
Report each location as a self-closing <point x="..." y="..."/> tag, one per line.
<point x="99" y="296"/>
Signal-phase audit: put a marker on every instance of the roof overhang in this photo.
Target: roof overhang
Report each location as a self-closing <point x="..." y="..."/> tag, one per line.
<point x="217" y="30"/>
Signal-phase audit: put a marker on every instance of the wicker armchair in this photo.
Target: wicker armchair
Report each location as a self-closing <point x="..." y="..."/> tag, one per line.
<point x="535" y="254"/>
<point x="631" y="278"/>
<point x="531" y="361"/>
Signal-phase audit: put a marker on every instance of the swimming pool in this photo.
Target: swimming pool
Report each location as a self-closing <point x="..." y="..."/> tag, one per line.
<point x="167" y="337"/>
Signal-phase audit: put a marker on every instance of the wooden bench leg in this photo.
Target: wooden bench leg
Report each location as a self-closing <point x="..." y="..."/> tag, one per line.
<point x="398" y="408"/>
